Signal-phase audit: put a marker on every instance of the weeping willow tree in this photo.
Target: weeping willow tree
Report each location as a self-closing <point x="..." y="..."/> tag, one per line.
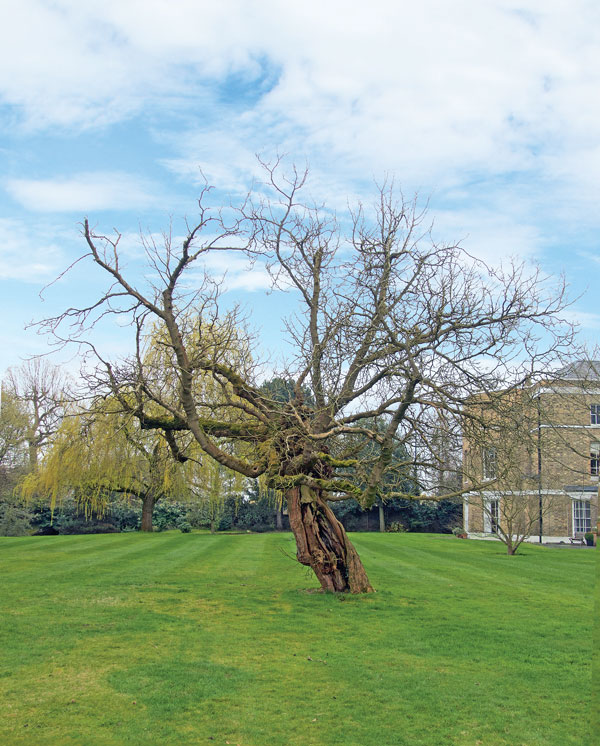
<point x="104" y="451"/>
<point x="387" y="323"/>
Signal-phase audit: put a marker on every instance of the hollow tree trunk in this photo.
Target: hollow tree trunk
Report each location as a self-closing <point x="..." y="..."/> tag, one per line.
<point x="148" y="503"/>
<point x="323" y="545"/>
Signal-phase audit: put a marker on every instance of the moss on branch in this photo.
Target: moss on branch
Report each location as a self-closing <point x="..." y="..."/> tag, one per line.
<point x="337" y="463"/>
<point x="326" y="485"/>
<point x="218" y="428"/>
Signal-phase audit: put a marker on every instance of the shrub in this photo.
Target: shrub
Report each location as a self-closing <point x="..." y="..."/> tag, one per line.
<point x="396" y="527"/>
<point x="168" y="515"/>
<point x="125" y="515"/>
<point x="262" y="528"/>
<point x="14" y="520"/>
<point x="225" y="523"/>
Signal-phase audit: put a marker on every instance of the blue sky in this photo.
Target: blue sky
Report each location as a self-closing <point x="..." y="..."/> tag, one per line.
<point x="111" y="108"/>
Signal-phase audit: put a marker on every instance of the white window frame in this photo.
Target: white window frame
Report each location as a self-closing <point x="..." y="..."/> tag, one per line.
<point x="491" y="515"/>
<point x="582" y="517"/>
<point x="489" y="463"/>
<point x="595" y="459"/>
<point x="594" y="414"/>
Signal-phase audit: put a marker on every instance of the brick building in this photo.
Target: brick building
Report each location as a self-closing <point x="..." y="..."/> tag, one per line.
<point x="537" y="473"/>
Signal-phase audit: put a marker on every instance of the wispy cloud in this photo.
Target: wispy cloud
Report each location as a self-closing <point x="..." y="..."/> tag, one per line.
<point x="26" y="253"/>
<point x="83" y="192"/>
<point x="489" y="107"/>
<point x="489" y="235"/>
<point x="584" y="319"/>
<point x="408" y="88"/>
<point x="235" y="272"/>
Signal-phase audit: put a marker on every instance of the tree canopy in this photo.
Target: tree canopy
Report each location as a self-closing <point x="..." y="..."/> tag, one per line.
<point x="390" y="324"/>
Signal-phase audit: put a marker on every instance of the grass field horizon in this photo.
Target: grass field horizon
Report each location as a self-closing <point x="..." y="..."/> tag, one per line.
<point x="195" y="638"/>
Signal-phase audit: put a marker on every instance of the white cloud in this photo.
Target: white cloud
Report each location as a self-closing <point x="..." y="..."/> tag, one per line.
<point x="89" y="64"/>
<point x="439" y="95"/>
<point x="584" y="319"/>
<point x="422" y="89"/>
<point x="235" y="272"/>
<point x="488" y="235"/>
<point x="82" y="193"/>
<point x="250" y="281"/>
<point x="452" y="98"/>
<point x="26" y="254"/>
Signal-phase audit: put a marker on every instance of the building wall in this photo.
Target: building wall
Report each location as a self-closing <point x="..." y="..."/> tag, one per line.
<point x="556" y="420"/>
<point x="557" y="514"/>
<point x="566" y="435"/>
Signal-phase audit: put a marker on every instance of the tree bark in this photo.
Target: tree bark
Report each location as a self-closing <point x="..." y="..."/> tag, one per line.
<point x="279" y="519"/>
<point x="323" y="545"/>
<point x="33" y="455"/>
<point x="381" y="519"/>
<point x="148" y="503"/>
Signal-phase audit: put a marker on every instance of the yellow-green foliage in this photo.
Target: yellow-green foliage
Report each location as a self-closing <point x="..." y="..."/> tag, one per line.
<point x="104" y="449"/>
<point x="92" y="455"/>
<point x="269" y="493"/>
<point x="96" y="453"/>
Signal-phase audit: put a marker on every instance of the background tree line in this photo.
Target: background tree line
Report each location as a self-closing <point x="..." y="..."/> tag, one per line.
<point x="100" y="474"/>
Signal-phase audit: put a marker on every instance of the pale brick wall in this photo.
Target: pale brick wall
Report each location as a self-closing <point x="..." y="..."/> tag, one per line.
<point x="557" y="517"/>
<point x="565" y="437"/>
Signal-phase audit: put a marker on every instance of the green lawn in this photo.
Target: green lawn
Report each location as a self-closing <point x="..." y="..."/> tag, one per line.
<point x="196" y="639"/>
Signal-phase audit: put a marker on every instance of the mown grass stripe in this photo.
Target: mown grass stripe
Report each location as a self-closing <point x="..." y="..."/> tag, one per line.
<point x="215" y="638"/>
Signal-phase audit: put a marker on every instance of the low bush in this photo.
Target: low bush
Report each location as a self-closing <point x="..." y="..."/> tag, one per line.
<point x="395" y="527"/>
<point x="15" y="520"/>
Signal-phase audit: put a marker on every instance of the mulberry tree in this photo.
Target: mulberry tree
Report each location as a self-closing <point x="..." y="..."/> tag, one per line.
<point x="389" y="326"/>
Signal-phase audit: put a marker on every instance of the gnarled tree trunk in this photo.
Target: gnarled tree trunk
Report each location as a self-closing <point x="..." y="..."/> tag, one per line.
<point x="148" y="503"/>
<point x="323" y="545"/>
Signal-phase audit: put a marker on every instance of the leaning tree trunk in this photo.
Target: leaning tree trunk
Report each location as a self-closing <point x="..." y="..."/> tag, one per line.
<point x="323" y="545"/>
<point x="148" y="503"/>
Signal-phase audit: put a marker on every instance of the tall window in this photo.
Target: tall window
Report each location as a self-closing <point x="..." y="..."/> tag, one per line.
<point x="491" y="516"/>
<point x="582" y="519"/>
<point x="595" y="459"/>
<point x="594" y="414"/>
<point x="490" y="463"/>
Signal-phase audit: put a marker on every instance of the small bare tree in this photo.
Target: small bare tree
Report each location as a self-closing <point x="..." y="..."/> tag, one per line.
<point x="13" y="431"/>
<point x="43" y="390"/>
<point x="389" y="324"/>
<point x="514" y="516"/>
